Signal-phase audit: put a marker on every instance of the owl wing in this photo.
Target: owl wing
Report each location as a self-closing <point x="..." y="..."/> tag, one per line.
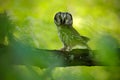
<point x="86" y="39"/>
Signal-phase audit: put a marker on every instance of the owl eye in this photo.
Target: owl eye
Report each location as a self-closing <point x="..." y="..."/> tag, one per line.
<point x="57" y="18"/>
<point x="69" y="19"/>
<point x="63" y="18"/>
<point x="69" y="16"/>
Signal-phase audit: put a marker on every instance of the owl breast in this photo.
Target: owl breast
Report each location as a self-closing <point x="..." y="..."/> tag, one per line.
<point x="70" y="39"/>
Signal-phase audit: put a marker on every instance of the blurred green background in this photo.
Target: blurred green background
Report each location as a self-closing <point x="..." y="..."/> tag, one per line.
<point x="34" y="26"/>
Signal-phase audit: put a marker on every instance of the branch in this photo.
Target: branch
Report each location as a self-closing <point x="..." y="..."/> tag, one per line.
<point x="76" y="57"/>
<point x="24" y="55"/>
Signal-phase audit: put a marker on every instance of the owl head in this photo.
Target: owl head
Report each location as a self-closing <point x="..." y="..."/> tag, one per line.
<point x="63" y="19"/>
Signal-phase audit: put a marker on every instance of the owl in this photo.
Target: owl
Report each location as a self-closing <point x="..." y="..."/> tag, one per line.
<point x="70" y="38"/>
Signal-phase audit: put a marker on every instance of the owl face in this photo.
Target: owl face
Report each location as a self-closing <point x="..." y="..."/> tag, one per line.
<point x="63" y="18"/>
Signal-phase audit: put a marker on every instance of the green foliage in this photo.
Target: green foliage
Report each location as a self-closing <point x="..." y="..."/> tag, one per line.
<point x="28" y="24"/>
<point x="107" y="48"/>
<point x="34" y="19"/>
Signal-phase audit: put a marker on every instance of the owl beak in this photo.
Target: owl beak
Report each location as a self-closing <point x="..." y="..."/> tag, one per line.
<point x="63" y="18"/>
